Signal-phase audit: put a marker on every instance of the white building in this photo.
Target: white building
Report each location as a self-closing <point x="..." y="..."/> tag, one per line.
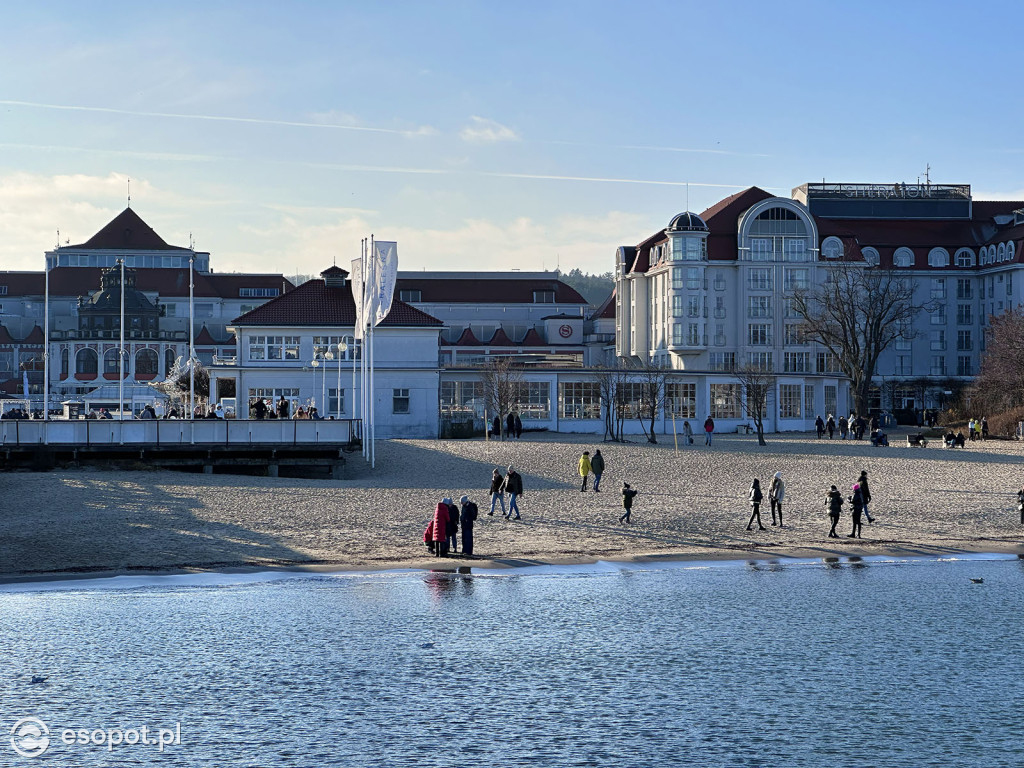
<point x="714" y="291"/>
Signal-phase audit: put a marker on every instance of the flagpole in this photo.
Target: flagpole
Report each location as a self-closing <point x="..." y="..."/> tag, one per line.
<point x="120" y="361"/>
<point x="46" y="348"/>
<point x="363" y="360"/>
<point x="191" y="338"/>
<point x="373" y="325"/>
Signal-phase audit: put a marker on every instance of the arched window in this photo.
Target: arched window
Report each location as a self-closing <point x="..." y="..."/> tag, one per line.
<point x="870" y="256"/>
<point x="110" y="362"/>
<point x="938" y="257"/>
<point x="64" y="362"/>
<point x="86" y="361"/>
<point x="904" y="257"/>
<point x="965" y="257"/>
<point x="832" y="248"/>
<point x="168" y="361"/>
<point x="1001" y="252"/>
<point x="146" y="362"/>
<point x="1011" y="251"/>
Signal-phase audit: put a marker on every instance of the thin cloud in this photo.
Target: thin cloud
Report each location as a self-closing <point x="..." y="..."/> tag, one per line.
<point x="483" y="130"/>
<point x="220" y="118"/>
<point x="652" y="148"/>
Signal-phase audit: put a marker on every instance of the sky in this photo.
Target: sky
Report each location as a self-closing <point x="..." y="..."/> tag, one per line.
<point x="480" y="135"/>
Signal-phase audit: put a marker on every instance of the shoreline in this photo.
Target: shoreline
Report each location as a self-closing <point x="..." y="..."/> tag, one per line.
<point x="450" y="564"/>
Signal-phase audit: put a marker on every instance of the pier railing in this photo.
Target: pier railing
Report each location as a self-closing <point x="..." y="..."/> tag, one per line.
<point x="168" y="432"/>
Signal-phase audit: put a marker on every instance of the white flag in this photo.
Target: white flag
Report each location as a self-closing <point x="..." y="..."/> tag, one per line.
<point x="356" y="278"/>
<point x="385" y="269"/>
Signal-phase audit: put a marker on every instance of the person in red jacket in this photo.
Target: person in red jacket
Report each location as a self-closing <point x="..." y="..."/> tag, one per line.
<point x="440" y="532"/>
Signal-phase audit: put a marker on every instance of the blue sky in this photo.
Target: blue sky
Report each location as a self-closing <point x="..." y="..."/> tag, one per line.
<point x="480" y="135"/>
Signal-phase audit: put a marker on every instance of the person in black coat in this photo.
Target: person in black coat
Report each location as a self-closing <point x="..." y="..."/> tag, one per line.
<point x="834" y="502"/>
<point x="627" y="502"/>
<point x="496" y="427"/>
<point x="865" y="493"/>
<point x="755" y="504"/>
<point x="819" y="426"/>
<point x="857" y="502"/>
<point x="467" y="517"/>
<point x="510" y="425"/>
<point x="830" y="426"/>
<point x="452" y="530"/>
<point x="519" y="427"/>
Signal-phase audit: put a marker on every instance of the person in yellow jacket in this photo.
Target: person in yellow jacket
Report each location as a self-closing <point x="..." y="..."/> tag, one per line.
<point x="584" y="470"/>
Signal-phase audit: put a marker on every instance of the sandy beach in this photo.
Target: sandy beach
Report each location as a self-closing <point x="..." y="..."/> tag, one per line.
<point x="691" y="505"/>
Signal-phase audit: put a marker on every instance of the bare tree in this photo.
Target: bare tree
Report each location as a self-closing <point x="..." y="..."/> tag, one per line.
<point x="610" y="380"/>
<point x="648" y="382"/>
<point x="502" y="379"/>
<point x="999" y="385"/>
<point x="758" y="382"/>
<point x="178" y="381"/>
<point x="857" y="313"/>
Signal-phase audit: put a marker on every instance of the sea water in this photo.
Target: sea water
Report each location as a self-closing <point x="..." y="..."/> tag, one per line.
<point x="790" y="663"/>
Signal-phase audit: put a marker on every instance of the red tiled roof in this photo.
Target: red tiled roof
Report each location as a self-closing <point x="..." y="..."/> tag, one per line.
<point x="467" y="339"/>
<point x="127" y="230"/>
<point x="500" y="339"/>
<point x="81" y="281"/>
<point x="722" y="219"/>
<point x="35" y="336"/>
<point x="205" y="337"/>
<point x="533" y="339"/>
<point x="313" y="303"/>
<point x="607" y="308"/>
<point x="473" y="289"/>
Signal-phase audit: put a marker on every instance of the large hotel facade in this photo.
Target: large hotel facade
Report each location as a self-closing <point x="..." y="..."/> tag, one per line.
<point x="715" y="290"/>
<point x="708" y="293"/>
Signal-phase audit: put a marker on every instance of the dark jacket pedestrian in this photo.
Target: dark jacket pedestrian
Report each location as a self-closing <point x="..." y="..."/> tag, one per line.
<point x="984" y="428"/>
<point x="865" y="492"/>
<point x="519" y="427"/>
<point x="467" y="517"/>
<point x="857" y="502"/>
<point x="755" y="497"/>
<point x="514" y="485"/>
<point x="627" y="502"/>
<point x="510" y="425"/>
<point x="776" y="493"/>
<point x="496" y="427"/>
<point x="282" y="408"/>
<point x="830" y="426"/>
<point x="709" y="429"/>
<point x="844" y="427"/>
<point x="1020" y="503"/>
<point x="834" y="503"/>
<point x="497" y="490"/>
<point x="819" y="426"/>
<point x="597" y="467"/>
<point x="452" y="540"/>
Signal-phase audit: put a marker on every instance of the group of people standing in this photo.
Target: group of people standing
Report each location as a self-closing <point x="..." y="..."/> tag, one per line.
<point x="513" y="426"/>
<point x="853" y="427"/>
<point x="442" y="533"/>
<point x="859" y="500"/>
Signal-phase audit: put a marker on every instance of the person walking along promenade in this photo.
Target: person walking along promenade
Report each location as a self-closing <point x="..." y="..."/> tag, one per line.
<point x="709" y="429"/>
<point x="514" y="485"/>
<point x="597" y="467"/>
<point x="497" y="491"/>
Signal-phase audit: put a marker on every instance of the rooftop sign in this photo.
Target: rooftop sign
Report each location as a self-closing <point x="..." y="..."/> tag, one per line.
<point x="886" y="201"/>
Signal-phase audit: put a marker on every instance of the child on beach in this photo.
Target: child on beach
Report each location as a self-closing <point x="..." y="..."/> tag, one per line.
<point x="834" y="504"/>
<point x="755" y="504"/>
<point x="627" y="501"/>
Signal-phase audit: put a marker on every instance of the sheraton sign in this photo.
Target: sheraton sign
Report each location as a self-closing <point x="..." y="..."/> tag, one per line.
<point x="898" y="191"/>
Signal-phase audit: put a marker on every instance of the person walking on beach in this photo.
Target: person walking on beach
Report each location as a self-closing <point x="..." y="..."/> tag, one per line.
<point x="497" y="491"/>
<point x="467" y="518"/>
<point x="597" y="467"/>
<point x="844" y="427"/>
<point x="834" y="503"/>
<point x="627" y="502"/>
<point x="519" y="427"/>
<point x="514" y="485"/>
<point x="496" y="427"/>
<point x="776" y="493"/>
<point x="984" y="428"/>
<point x="709" y="429"/>
<point x="830" y="426"/>
<point x="819" y="426"/>
<point x="687" y="433"/>
<point x="865" y="493"/>
<point x="584" y="469"/>
<point x="755" y="505"/>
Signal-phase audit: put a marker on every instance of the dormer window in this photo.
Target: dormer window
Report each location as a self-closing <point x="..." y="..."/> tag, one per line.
<point x="410" y="295"/>
<point x="543" y="297"/>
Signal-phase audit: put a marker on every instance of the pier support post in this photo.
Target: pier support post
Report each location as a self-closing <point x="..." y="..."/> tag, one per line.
<point x="271" y="470"/>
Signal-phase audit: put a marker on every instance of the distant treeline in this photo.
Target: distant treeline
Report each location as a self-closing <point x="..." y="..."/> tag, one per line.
<point x="594" y="288"/>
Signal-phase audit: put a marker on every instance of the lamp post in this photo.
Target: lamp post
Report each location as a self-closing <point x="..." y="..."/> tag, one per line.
<point x="342" y="348"/>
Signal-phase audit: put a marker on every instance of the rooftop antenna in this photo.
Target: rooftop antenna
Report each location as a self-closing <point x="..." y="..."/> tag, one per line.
<point x="129" y="191"/>
<point x="927" y="174"/>
<point x="687" y="197"/>
<point x="58" y="238"/>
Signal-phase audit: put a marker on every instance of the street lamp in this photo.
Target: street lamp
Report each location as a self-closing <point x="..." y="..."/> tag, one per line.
<point x="342" y="348"/>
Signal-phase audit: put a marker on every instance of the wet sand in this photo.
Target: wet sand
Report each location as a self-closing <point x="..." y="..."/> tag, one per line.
<point x="691" y="506"/>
